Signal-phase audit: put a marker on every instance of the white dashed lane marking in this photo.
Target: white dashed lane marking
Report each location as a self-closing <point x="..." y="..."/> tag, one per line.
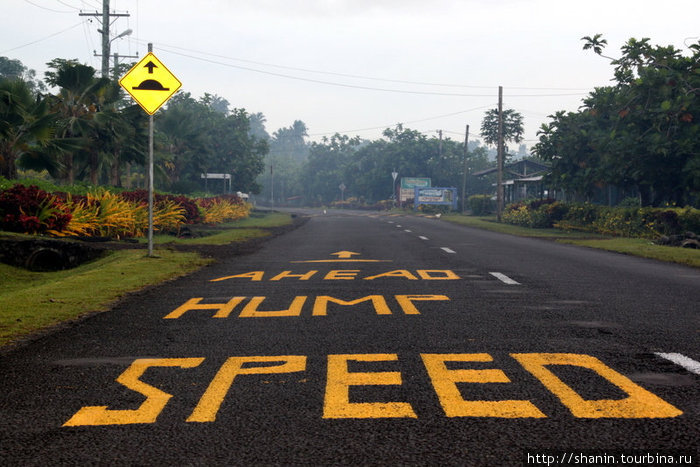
<point x="422" y="237"/>
<point x="448" y="250"/>
<point x="680" y="359"/>
<point x="503" y="278"/>
<point x="407" y="231"/>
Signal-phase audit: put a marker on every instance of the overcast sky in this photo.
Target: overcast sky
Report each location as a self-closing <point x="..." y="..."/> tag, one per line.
<point x="359" y="66"/>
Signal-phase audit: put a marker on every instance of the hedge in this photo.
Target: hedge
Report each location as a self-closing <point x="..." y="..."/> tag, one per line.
<point x="644" y="222"/>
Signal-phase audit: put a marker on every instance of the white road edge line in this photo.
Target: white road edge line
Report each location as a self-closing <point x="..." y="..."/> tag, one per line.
<point x="448" y="250"/>
<point x="680" y="359"/>
<point x="422" y="237"/>
<point x="503" y="278"/>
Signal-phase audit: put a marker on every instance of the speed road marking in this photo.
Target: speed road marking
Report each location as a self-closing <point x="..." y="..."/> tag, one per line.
<point x="449" y="382"/>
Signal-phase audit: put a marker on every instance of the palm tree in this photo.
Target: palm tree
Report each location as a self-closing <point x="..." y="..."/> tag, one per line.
<point x="182" y="138"/>
<point x="82" y="104"/>
<point x="26" y="126"/>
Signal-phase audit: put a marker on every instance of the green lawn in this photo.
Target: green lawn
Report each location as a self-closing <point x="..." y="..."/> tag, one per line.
<point x="630" y="246"/>
<point x="222" y="237"/>
<point x="30" y="301"/>
<point x="490" y="223"/>
<point x="644" y="248"/>
<point x="34" y="300"/>
<point x="222" y="234"/>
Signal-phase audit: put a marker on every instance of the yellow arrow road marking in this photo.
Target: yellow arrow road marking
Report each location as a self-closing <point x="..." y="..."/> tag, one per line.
<point x="344" y="254"/>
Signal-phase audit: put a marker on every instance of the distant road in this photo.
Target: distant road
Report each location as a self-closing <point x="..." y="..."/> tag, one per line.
<point x="366" y="338"/>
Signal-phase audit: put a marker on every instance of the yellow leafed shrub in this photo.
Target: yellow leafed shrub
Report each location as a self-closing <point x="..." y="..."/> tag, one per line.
<point x="217" y="210"/>
<point x="167" y="216"/>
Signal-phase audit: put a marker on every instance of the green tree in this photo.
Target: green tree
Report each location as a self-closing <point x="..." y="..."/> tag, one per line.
<point x="26" y="125"/>
<point x="84" y="104"/>
<point x="641" y="133"/>
<point x="203" y="135"/>
<point x="14" y="69"/>
<point x="288" y="152"/>
<point x="512" y="127"/>
<point x="182" y="142"/>
<point x="329" y="165"/>
<point x="257" y="126"/>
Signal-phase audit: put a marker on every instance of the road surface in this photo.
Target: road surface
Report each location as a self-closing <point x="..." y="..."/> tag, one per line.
<point x="362" y="338"/>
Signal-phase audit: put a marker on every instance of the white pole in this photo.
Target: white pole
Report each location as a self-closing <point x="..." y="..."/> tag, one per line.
<point x="150" y="177"/>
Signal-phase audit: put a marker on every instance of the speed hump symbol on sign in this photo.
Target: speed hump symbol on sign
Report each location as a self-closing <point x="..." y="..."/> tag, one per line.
<point x="150" y="83"/>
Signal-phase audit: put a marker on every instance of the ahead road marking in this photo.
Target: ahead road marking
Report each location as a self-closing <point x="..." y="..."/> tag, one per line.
<point x="448" y="250"/>
<point x="680" y="359"/>
<point x="503" y="278"/>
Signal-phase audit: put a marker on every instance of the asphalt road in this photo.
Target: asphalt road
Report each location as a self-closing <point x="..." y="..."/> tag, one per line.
<point x="373" y="339"/>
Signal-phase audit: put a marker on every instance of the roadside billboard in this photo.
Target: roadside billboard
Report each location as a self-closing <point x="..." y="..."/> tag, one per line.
<point x="436" y="196"/>
<point x="408" y="184"/>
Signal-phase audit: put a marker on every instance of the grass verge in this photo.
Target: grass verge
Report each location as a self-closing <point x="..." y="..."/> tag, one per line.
<point x="223" y="237"/>
<point x="35" y="300"/>
<point x="644" y="248"/>
<point x="629" y="246"/>
<point x="31" y="301"/>
<point x="490" y="223"/>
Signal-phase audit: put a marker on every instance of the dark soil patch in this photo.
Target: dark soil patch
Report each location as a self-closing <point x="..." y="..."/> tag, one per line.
<point x="47" y="254"/>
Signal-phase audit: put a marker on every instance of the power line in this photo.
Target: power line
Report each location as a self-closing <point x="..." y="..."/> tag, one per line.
<point x="406" y="122"/>
<point x="47" y="9"/>
<point x="347" y="75"/>
<point x="66" y="4"/>
<point x="354" y="86"/>
<point x="43" y="38"/>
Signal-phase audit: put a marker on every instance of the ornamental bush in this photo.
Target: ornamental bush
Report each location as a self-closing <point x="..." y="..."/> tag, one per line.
<point x="105" y="213"/>
<point x="223" y="208"/>
<point x="617" y="221"/>
<point x="191" y="210"/>
<point x="481" y="205"/>
<point x="31" y="210"/>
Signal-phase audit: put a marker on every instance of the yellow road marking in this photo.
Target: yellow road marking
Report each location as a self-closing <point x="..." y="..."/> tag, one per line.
<point x="639" y="403"/>
<point x="344" y="254"/>
<point x="344" y="261"/>
<point x="445" y="384"/>
<point x="337" y="400"/>
<point x="155" y="402"/>
<point x="211" y="401"/>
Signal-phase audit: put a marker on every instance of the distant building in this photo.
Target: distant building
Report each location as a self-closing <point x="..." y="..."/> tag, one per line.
<point x="523" y="179"/>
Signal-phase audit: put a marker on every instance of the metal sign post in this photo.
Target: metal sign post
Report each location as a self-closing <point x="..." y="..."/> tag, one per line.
<point x="150" y="182"/>
<point x="150" y="176"/>
<point x="150" y="84"/>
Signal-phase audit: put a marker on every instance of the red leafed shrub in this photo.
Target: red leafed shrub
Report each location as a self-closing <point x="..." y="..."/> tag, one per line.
<point x="31" y="210"/>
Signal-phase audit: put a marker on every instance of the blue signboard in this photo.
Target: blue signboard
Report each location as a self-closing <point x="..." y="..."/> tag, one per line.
<point x="436" y="196"/>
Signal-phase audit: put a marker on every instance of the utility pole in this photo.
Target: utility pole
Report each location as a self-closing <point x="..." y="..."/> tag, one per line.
<point x="105" y="16"/>
<point x="440" y="144"/>
<point x="150" y="176"/>
<point x="115" y="71"/>
<point x="272" y="186"/>
<point x="464" y="175"/>
<point x="499" y="188"/>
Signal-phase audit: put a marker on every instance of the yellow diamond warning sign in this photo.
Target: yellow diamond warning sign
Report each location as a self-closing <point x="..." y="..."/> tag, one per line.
<point x="150" y="83"/>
